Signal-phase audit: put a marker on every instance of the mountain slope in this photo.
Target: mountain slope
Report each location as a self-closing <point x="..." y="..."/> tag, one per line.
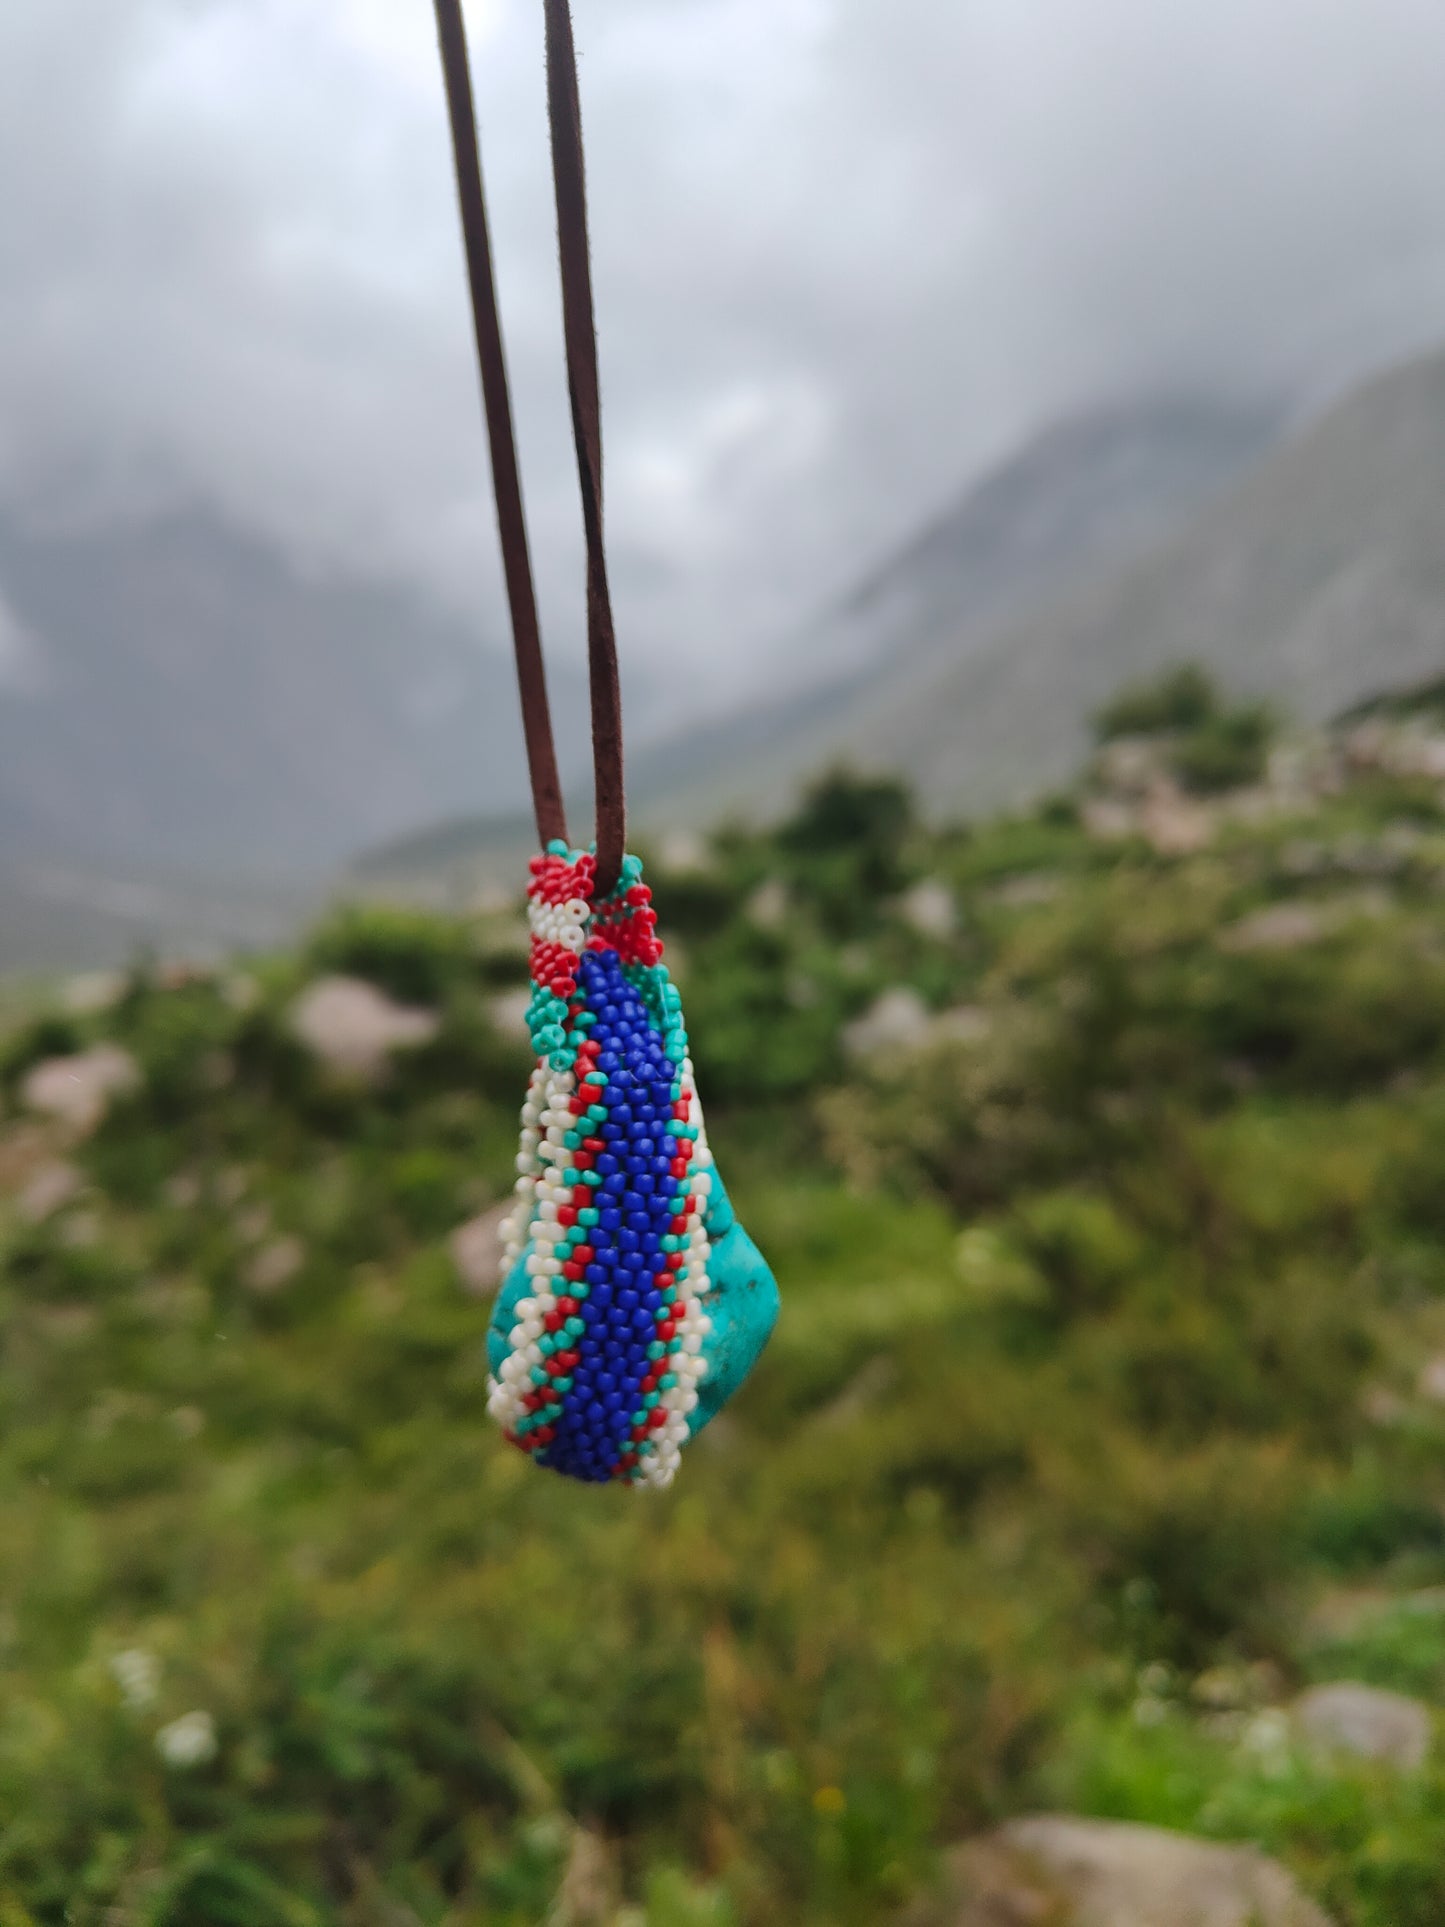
<point x="192" y="700"/>
<point x="1074" y="502"/>
<point x="1316" y="579"/>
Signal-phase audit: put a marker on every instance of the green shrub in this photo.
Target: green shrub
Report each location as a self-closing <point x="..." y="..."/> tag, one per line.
<point x="1179" y="699"/>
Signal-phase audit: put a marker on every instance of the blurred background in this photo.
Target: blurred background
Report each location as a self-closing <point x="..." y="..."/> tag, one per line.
<point x="1026" y="493"/>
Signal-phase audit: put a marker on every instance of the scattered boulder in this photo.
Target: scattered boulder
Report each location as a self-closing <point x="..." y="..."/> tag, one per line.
<point x="684" y="852"/>
<point x="1106" y="818"/>
<point x="182" y="1190"/>
<point x="1432" y="1379"/>
<point x="23" y="1151"/>
<point x="354" y="1028"/>
<point x="930" y="909"/>
<point x="49" y="1189"/>
<point x="275" y="1265"/>
<point x="587" y="1896"/>
<point x="897" y="1022"/>
<point x="1366" y="1722"/>
<point x="1173" y="825"/>
<point x="77" y="1091"/>
<point x="1029" y="889"/>
<point x="964" y="1024"/>
<point x="476" y="1249"/>
<point x="508" y="1012"/>
<point x="769" y="904"/>
<point x="1279" y="926"/>
<point x="1057" y="1872"/>
<point x="92" y="991"/>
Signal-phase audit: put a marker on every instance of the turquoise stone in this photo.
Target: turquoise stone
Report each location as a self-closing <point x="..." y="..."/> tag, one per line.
<point x="742" y="1304"/>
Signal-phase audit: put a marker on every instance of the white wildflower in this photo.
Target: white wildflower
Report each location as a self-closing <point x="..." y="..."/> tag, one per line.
<point x="188" y="1741"/>
<point x="137" y="1674"/>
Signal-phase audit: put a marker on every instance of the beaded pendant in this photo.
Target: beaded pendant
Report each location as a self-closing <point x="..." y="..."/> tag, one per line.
<point x="633" y="1303"/>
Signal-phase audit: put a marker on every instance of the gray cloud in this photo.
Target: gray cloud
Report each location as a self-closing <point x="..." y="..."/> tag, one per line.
<point x="845" y="251"/>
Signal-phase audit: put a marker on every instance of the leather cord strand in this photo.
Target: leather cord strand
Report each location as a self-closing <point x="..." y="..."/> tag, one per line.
<point x="497" y="403"/>
<point x="584" y="391"/>
<point x="579" y="329"/>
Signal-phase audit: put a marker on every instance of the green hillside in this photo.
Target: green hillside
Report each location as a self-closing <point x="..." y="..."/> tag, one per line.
<point x="1091" y="1433"/>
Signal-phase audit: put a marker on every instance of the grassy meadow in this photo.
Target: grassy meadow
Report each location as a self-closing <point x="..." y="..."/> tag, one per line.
<point x="1092" y="1430"/>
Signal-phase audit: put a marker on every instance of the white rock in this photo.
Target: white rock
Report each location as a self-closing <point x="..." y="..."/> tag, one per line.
<point x="964" y="1024"/>
<point x="93" y="990"/>
<point x="1364" y="1721"/>
<point x="1108" y="819"/>
<point x="930" y="909"/>
<point x="898" y="1021"/>
<point x="684" y="851"/>
<point x="353" y="1027"/>
<point x="138" y="1674"/>
<point x="1025" y="891"/>
<point x="1173" y="825"/>
<point x="188" y="1741"/>
<point x="476" y="1249"/>
<point x="1432" y="1380"/>
<point x="275" y="1265"/>
<point x="508" y="1013"/>
<point x="77" y="1090"/>
<point x="1060" y="1872"/>
<point x="1279" y="926"/>
<point x="768" y="905"/>
<point x="48" y="1189"/>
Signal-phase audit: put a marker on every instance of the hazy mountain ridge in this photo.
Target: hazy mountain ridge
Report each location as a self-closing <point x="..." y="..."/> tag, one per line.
<point x="1317" y="580"/>
<point x="1074" y="501"/>
<point x="191" y="699"/>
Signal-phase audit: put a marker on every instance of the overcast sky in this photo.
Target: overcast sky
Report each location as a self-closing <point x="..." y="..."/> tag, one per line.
<point x="845" y="251"/>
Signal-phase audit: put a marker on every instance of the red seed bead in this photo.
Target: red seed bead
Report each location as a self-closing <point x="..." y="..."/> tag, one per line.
<point x="657" y="1418"/>
<point x="573" y="1272"/>
<point x="569" y="1307"/>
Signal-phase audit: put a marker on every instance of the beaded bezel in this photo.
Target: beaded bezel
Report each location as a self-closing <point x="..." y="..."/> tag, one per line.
<point x="606" y="1352"/>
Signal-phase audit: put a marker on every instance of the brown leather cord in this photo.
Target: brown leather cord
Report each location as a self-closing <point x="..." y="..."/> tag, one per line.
<point x="579" y="328"/>
<point x="584" y="389"/>
<point x="497" y="401"/>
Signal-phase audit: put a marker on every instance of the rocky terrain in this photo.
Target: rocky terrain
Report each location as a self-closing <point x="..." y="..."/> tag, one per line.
<point x="1075" y="1556"/>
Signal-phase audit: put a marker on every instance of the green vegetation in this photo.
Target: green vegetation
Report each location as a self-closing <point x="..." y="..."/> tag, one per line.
<point x="1090" y="1431"/>
<point x="1213" y="746"/>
